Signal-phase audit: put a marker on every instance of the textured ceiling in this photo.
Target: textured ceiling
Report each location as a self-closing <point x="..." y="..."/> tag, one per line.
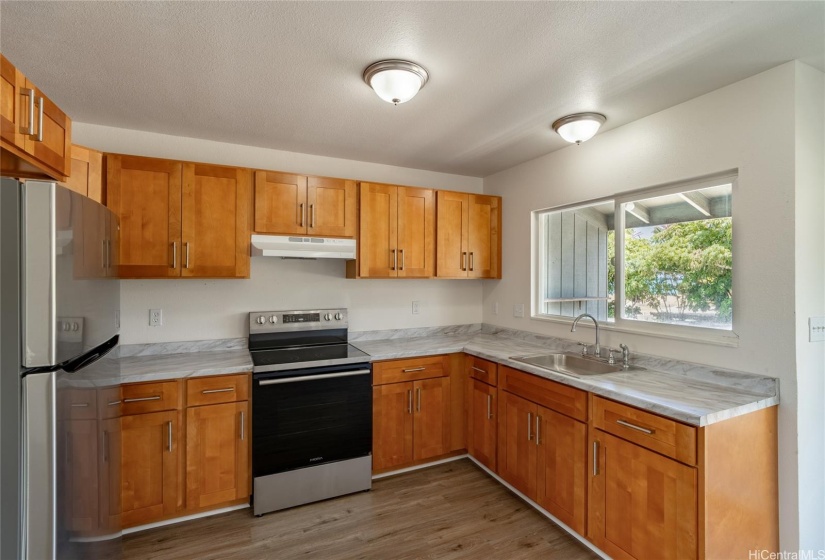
<point x="287" y="75"/>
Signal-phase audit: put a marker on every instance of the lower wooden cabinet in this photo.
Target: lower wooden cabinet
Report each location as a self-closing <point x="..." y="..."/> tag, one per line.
<point x="217" y="454"/>
<point x="517" y="450"/>
<point x="481" y="425"/>
<point x="150" y="456"/>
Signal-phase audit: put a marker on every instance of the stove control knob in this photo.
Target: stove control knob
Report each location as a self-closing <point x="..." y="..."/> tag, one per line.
<point x="338" y="316"/>
<point x="261" y="320"/>
<point x="328" y="317"/>
<point x="273" y="319"/>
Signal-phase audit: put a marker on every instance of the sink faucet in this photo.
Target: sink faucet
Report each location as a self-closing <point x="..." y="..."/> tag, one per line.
<point x="597" y="349"/>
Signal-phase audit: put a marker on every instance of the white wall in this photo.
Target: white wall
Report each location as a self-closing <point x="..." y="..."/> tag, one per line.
<point x="810" y="300"/>
<point x="209" y="309"/>
<point x="747" y="126"/>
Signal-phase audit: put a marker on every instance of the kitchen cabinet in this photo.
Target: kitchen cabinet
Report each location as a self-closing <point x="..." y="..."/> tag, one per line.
<point x="468" y="241"/>
<point x="397" y="232"/>
<point x="86" y="175"/>
<point x="289" y="204"/>
<point x="482" y="411"/>
<point x="542" y="439"/>
<point x="180" y="219"/>
<point x="35" y="134"/>
<point x="411" y="418"/>
<point x="217" y="441"/>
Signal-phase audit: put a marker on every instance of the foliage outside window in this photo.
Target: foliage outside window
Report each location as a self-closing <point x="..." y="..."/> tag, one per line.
<point x="675" y="259"/>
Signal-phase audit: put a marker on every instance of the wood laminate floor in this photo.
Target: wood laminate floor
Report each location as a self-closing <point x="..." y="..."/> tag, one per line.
<point x="450" y="511"/>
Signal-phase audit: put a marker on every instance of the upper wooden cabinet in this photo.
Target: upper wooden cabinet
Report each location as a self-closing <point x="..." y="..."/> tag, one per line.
<point x="180" y="219"/>
<point x="86" y="175"/>
<point x="397" y="232"/>
<point x="34" y="133"/>
<point x="290" y="204"/>
<point x="469" y="236"/>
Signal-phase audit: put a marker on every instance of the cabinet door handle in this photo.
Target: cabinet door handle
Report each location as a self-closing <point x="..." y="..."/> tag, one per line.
<point x="538" y="428"/>
<point x="418" y="399"/>
<point x="471" y="261"/>
<point x="105" y="446"/>
<point x="103" y="254"/>
<point x="409" y="401"/>
<point x="242" y="426"/>
<point x="529" y="426"/>
<point x="174" y="254"/>
<point x="463" y="261"/>
<point x="412" y="369"/>
<point x="301" y="214"/>
<point x="489" y="407"/>
<point x="210" y="391"/>
<point x="635" y="427"/>
<point x="394" y="260"/>
<point x="484" y="371"/>
<point x="169" y="436"/>
<point x="30" y="93"/>
<point x="186" y="264"/>
<point x="595" y="458"/>
<point x="312" y="215"/>
<point x="141" y="399"/>
<point x="402" y="258"/>
<point x="40" y="122"/>
<point x="80" y="405"/>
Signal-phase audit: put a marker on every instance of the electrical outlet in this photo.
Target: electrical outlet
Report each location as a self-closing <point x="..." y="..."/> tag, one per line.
<point x="518" y="310"/>
<point x="495" y="308"/>
<point x="416" y="307"/>
<point x="155" y="317"/>
<point x="816" y="329"/>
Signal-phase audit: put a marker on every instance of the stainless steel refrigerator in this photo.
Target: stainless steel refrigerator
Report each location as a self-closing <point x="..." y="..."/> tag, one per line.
<point x="60" y="440"/>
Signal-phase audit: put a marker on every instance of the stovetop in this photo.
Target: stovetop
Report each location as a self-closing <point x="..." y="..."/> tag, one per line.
<point x="281" y="359"/>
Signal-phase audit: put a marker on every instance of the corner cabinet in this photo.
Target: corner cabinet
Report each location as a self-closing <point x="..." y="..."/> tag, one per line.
<point x="469" y="236"/>
<point x="180" y="219"/>
<point x="289" y="204"/>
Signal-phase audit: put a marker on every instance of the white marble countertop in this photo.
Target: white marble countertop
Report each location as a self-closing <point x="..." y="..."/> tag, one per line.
<point x="188" y="364"/>
<point x="699" y="401"/>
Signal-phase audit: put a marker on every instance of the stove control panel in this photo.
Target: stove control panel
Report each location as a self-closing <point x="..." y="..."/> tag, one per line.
<point x="300" y="320"/>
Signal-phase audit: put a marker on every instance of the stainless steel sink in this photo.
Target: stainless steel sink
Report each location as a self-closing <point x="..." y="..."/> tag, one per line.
<point x="570" y="364"/>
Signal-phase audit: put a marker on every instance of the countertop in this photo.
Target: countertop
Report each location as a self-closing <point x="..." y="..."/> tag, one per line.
<point x="697" y="400"/>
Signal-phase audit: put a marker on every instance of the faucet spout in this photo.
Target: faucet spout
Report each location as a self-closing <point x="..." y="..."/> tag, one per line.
<point x="597" y="349"/>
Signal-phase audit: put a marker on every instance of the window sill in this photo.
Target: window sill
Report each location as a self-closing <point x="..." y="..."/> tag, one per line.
<point x="701" y="335"/>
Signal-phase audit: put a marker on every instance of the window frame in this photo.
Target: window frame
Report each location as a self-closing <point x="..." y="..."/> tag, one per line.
<point x="620" y="323"/>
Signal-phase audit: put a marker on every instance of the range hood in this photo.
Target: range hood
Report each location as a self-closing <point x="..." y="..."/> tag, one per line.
<point x="295" y="247"/>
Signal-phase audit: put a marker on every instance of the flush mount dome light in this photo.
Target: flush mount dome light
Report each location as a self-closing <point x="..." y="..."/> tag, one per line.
<point x="580" y="127"/>
<point x="395" y="81"/>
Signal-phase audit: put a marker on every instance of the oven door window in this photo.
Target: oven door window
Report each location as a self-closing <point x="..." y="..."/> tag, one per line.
<point x="310" y="422"/>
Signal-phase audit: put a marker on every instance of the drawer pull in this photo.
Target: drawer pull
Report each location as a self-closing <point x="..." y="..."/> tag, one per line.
<point x="113" y="403"/>
<point x="484" y="371"/>
<point x="210" y="391"/>
<point x="635" y="427"/>
<point x="410" y="370"/>
<point x="80" y="405"/>
<point x="141" y="399"/>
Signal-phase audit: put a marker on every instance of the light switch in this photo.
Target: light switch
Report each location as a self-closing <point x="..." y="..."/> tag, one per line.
<point x="518" y="310"/>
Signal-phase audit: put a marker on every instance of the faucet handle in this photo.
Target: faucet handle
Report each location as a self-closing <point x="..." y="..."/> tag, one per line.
<point x="584" y="346"/>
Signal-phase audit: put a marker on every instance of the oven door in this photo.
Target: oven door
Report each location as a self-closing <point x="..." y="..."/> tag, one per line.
<point x="309" y="417"/>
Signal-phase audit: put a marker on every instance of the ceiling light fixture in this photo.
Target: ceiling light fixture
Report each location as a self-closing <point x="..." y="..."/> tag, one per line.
<point x="580" y="127"/>
<point x="395" y="81"/>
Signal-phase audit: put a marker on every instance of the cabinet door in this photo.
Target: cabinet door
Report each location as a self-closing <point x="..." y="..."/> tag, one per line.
<point x="109" y="469"/>
<point x="145" y="193"/>
<point x="217" y="454"/>
<point x="392" y="425"/>
<point x="517" y="449"/>
<point x="81" y="476"/>
<point x="86" y="175"/>
<point x="416" y="232"/>
<point x="482" y="425"/>
<point x="642" y="505"/>
<point x="15" y="110"/>
<point x="452" y="232"/>
<point x="378" y="252"/>
<point x="431" y="425"/>
<point x="149" y="467"/>
<point x="52" y="142"/>
<point x="215" y="231"/>
<point x="332" y="207"/>
<point x="484" y="244"/>
<point x="280" y="203"/>
<point x="561" y="467"/>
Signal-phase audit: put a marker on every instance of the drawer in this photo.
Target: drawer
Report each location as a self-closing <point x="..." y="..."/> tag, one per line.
<point x="140" y="398"/>
<point x="483" y="370"/>
<point x="657" y="433"/>
<point x="217" y="389"/>
<point x="79" y="403"/>
<point x="555" y="396"/>
<point x="410" y="369"/>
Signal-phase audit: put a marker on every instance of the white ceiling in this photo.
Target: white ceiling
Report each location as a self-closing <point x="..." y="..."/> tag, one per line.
<point x="287" y="75"/>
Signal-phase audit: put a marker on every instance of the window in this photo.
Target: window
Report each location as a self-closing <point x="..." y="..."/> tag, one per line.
<point x="662" y="257"/>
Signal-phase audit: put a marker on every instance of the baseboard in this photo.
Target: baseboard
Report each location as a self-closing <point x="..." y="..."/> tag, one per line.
<point x="418" y="467"/>
<point x="541" y="510"/>
<point x="184" y="518"/>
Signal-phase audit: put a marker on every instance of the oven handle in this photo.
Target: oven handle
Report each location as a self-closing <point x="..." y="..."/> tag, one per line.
<point x="313" y="377"/>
